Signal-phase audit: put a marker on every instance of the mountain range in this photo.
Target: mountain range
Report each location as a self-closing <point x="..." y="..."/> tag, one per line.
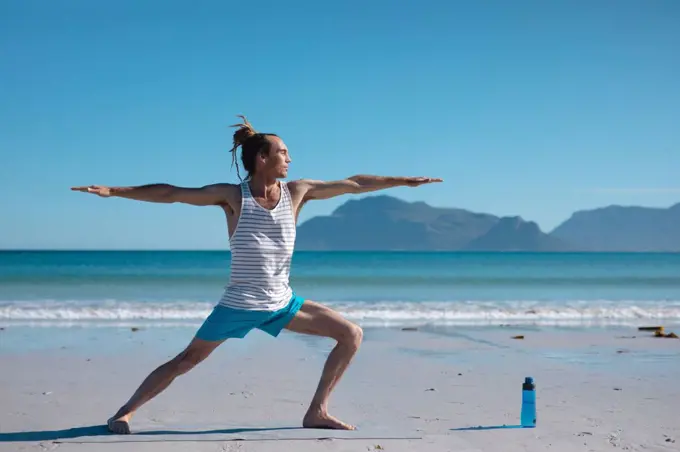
<point x="378" y="223"/>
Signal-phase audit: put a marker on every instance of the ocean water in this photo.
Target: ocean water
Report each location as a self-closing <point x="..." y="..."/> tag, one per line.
<point x="95" y="288"/>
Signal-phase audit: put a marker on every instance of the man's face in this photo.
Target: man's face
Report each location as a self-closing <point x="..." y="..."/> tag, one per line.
<point x="276" y="163"/>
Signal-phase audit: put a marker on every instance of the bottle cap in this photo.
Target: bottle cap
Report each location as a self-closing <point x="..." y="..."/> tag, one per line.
<point x="529" y="380"/>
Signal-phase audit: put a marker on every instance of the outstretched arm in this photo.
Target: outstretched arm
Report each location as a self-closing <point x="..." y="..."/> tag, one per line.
<point x="209" y="195"/>
<point x="314" y="189"/>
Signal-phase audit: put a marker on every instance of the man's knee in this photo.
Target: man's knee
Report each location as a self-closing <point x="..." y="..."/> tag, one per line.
<point x="352" y="335"/>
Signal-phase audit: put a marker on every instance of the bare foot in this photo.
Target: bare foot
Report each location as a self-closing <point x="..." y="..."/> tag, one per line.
<point x="119" y="426"/>
<point x="318" y="419"/>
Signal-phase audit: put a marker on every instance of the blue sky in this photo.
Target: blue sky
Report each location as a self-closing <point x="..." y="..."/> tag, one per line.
<point x="527" y="108"/>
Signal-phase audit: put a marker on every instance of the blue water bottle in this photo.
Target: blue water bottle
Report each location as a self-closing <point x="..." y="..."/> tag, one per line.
<point x="528" y="416"/>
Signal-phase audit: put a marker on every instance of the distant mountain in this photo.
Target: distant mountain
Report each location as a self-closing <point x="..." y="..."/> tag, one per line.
<point x="619" y="228"/>
<point x="387" y="223"/>
<point x="515" y="234"/>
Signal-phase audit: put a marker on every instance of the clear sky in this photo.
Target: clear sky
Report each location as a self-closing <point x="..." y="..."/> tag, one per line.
<point x="528" y="108"/>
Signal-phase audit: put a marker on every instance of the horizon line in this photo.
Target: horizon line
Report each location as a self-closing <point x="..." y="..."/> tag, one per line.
<point x="216" y="250"/>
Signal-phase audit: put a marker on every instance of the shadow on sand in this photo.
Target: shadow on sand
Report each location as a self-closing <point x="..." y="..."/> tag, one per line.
<point x="100" y="430"/>
<point x="486" y="427"/>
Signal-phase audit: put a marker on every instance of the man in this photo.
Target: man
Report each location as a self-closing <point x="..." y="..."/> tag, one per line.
<point x="261" y="221"/>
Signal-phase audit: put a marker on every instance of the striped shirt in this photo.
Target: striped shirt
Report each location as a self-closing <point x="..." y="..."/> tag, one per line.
<point x="261" y="252"/>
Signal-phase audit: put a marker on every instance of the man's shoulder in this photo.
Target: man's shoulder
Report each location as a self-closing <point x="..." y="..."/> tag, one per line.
<point x="230" y="193"/>
<point x="226" y="188"/>
<point x="294" y="185"/>
<point x="226" y="185"/>
<point x="302" y="183"/>
<point x="299" y="186"/>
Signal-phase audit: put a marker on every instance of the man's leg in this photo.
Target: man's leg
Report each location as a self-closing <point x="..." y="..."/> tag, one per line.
<point x="319" y="320"/>
<point x="160" y="379"/>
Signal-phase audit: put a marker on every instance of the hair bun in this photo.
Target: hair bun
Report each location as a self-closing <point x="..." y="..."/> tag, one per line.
<point x="245" y="131"/>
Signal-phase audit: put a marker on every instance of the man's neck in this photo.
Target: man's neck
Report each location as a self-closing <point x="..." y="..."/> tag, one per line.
<point x="263" y="186"/>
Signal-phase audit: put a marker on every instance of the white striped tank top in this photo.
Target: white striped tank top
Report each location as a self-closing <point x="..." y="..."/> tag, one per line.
<point x="261" y="252"/>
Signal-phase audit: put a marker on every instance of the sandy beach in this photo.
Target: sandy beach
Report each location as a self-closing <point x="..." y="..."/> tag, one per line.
<point x="434" y="389"/>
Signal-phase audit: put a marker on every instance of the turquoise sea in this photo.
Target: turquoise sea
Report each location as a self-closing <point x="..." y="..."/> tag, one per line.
<point x="95" y="288"/>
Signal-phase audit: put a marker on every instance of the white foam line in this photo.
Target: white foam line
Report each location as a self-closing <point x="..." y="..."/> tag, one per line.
<point x="381" y="313"/>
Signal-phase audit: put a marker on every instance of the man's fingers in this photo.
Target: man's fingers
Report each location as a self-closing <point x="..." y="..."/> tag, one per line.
<point x="428" y="179"/>
<point x="90" y="189"/>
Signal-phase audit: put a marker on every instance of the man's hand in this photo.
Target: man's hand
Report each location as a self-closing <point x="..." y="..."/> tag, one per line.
<point x="100" y="190"/>
<point x="416" y="181"/>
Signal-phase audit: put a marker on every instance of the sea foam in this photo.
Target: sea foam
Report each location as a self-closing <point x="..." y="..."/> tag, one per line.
<point x="388" y="313"/>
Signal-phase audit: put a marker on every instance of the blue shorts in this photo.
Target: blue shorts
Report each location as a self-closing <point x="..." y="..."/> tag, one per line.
<point x="224" y="323"/>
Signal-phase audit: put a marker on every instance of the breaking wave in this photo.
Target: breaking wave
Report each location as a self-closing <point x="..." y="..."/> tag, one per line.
<point x="388" y="313"/>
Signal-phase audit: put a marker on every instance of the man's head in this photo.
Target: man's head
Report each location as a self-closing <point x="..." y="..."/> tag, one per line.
<point x="262" y="153"/>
